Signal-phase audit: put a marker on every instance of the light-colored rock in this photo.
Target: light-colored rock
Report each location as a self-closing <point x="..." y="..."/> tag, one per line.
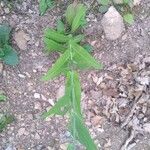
<point x="96" y="120"/>
<point x="51" y="101"/>
<point x="1" y="67"/>
<point x="7" y="11"/>
<point x="64" y="146"/>
<point x="136" y="2"/>
<point x="10" y="147"/>
<point x="21" y="75"/>
<point x="37" y="106"/>
<point x="37" y="95"/>
<point x="112" y="23"/>
<point x="147" y="127"/>
<point x="21" y="39"/>
<point x="143" y="80"/>
<point x="60" y="92"/>
<point x="21" y="131"/>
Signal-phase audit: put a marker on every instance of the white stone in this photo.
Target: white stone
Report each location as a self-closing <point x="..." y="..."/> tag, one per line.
<point x="146" y="127"/>
<point x="37" y="95"/>
<point x="1" y="67"/>
<point x="21" y="131"/>
<point x="51" y="101"/>
<point x="60" y="92"/>
<point x="112" y="23"/>
<point x="144" y="80"/>
<point x="21" y="75"/>
<point x="136" y="2"/>
<point x="7" y="11"/>
<point x="43" y="97"/>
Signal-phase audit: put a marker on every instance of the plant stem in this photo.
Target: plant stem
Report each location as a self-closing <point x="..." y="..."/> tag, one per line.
<point x="72" y="94"/>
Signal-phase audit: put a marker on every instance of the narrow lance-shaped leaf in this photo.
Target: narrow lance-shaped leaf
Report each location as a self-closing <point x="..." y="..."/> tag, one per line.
<point x="80" y="14"/>
<point x="60" y="26"/>
<point x="59" y="108"/>
<point x="82" y="134"/>
<point x="59" y="67"/>
<point x="73" y="80"/>
<point x="44" y="5"/>
<point x="52" y="46"/>
<point x="78" y="38"/>
<point x="54" y="35"/>
<point x="64" y="102"/>
<point x="83" y="58"/>
<point x="70" y="13"/>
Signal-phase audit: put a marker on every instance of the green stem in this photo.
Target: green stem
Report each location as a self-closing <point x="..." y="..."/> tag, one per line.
<point x="73" y="103"/>
<point x="72" y="94"/>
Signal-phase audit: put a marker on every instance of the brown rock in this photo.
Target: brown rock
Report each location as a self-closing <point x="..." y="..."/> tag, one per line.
<point x="21" y="39"/>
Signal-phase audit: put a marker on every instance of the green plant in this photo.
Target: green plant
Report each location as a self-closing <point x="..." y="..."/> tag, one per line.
<point x="124" y="7"/>
<point x="44" y="5"/>
<point x="2" y="97"/>
<point x="7" y="54"/>
<point x="5" y="118"/>
<point x="73" y="58"/>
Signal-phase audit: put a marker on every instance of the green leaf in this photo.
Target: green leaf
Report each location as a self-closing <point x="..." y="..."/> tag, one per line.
<point x="4" y="35"/>
<point x="59" y="108"/>
<point x="84" y="59"/>
<point x="52" y="46"/>
<point x="103" y="2"/>
<point x="71" y="147"/>
<point x="70" y="13"/>
<point x="60" y="26"/>
<point x="59" y="67"/>
<point x="10" y="57"/>
<point x="5" y="120"/>
<point x="88" y="47"/>
<point x="78" y="38"/>
<point x="44" y="5"/>
<point x="56" y="36"/>
<point x="2" y="97"/>
<point x="73" y="80"/>
<point x="126" y="1"/>
<point x="129" y="18"/>
<point x="78" y="19"/>
<point x="103" y="8"/>
<point x="2" y="54"/>
<point x="81" y="133"/>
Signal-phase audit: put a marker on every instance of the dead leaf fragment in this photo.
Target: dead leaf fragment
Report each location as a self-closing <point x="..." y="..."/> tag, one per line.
<point x="96" y="120"/>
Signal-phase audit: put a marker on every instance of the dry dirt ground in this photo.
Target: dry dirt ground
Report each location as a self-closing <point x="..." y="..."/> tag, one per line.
<point x="108" y="95"/>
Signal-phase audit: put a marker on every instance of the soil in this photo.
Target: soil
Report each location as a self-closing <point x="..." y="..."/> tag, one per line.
<point x="28" y="96"/>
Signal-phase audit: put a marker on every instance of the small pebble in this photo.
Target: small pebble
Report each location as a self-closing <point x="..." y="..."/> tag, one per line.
<point x="37" y="95"/>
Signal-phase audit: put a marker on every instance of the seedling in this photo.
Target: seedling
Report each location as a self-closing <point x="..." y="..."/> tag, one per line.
<point x="44" y="5"/>
<point x="2" y="97"/>
<point x="5" y="118"/>
<point x="7" y="54"/>
<point x="73" y="57"/>
<point x="124" y="7"/>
